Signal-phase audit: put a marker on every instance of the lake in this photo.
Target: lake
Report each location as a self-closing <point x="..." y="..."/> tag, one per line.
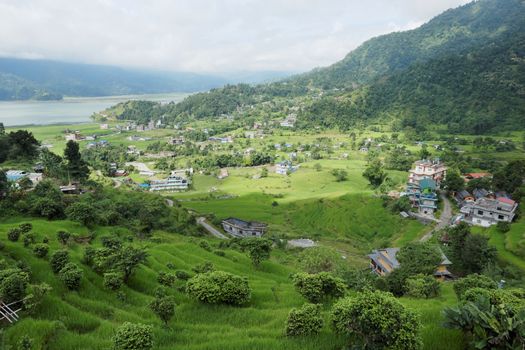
<point x="70" y="109"/>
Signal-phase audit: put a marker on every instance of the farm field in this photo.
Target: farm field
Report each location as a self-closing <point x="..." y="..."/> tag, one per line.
<point x="86" y="319"/>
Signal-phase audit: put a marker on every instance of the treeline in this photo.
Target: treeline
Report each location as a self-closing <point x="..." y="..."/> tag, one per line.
<point x="18" y="144"/>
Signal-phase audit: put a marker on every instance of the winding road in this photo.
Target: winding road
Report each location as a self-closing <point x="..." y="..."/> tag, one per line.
<point x="212" y="230"/>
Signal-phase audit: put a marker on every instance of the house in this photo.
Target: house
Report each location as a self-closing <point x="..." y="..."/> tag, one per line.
<point x="423" y="196"/>
<point x="241" y="228"/>
<point x="474" y="176"/>
<point x="488" y="211"/>
<point x="75" y="136"/>
<point x="463" y="196"/>
<point x="289" y="121"/>
<point x="176" y="140"/>
<point x="15" y="175"/>
<point x="384" y="261"/>
<point x="285" y="167"/>
<point x="227" y="139"/>
<point x="70" y="189"/>
<point x="480" y="193"/>
<point x="423" y="169"/>
<point x="172" y="183"/>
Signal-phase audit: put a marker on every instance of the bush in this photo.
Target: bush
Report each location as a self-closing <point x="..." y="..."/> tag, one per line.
<point x="14" y="234"/>
<point x="205" y="245"/>
<point x="219" y="253"/>
<point x="164" y="307"/>
<point x="133" y="336"/>
<point x="113" y="280"/>
<point x="182" y="275"/>
<point x="473" y="281"/>
<point x="377" y="320"/>
<point x="41" y="250"/>
<point x="63" y="237"/>
<point x="166" y="279"/>
<point x="89" y="255"/>
<point x="421" y="286"/>
<point x="304" y="321"/>
<point x="219" y="287"/>
<point x="71" y="275"/>
<point x="29" y="238"/>
<point x="503" y="226"/>
<point x="59" y="259"/>
<point x="316" y="287"/>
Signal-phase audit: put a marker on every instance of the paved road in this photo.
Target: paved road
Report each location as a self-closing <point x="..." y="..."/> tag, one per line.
<point x="444" y="219"/>
<point x="212" y="230"/>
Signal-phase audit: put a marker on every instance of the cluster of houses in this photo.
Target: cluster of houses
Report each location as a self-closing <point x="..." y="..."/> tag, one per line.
<point x="484" y="208"/>
<point x="225" y="139"/>
<point x="132" y="126"/>
<point x="285" y="167"/>
<point x="424" y="180"/>
<point x="289" y="121"/>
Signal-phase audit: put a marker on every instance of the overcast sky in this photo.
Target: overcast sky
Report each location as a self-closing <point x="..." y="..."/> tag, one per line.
<point x="204" y="35"/>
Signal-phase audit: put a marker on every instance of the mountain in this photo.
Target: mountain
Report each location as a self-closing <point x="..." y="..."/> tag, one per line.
<point x="464" y="69"/>
<point x="38" y="77"/>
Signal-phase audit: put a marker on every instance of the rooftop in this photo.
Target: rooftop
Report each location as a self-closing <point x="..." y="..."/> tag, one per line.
<point x="244" y="224"/>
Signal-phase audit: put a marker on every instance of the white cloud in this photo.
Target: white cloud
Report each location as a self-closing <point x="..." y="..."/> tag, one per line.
<point x="204" y="35"/>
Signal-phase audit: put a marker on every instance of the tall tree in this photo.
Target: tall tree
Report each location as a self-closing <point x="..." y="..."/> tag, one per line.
<point x="76" y="167"/>
<point x="374" y="173"/>
<point x="2" y="129"/>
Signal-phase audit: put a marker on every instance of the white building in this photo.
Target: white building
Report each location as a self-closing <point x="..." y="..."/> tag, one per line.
<point x="285" y="167"/>
<point x="487" y="211"/>
<point x="172" y="183"/>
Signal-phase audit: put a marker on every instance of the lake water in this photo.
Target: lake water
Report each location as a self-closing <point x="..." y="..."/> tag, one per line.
<point x="70" y="109"/>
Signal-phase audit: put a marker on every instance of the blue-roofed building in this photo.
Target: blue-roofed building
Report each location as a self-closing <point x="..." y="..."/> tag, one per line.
<point x="15" y="175"/>
<point x="422" y="195"/>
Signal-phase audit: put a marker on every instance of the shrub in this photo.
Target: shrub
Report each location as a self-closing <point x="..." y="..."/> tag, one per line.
<point x="133" y="336"/>
<point x="205" y="245"/>
<point x="316" y="287"/>
<point x="219" y="287"/>
<point x="377" y="320"/>
<point x="36" y="295"/>
<point x="166" y="279"/>
<point x="29" y="238"/>
<point x="13" y="234"/>
<point x="41" y="250"/>
<point x="63" y="237"/>
<point x="473" y="281"/>
<point x="13" y="285"/>
<point x="182" y="275"/>
<point x="89" y="255"/>
<point x="113" y="280"/>
<point x="204" y="267"/>
<point x="304" y="321"/>
<point x="219" y="253"/>
<point x="71" y="275"/>
<point x="59" y="259"/>
<point x="421" y="286"/>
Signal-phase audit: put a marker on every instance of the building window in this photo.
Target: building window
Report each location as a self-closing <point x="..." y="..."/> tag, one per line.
<point x="480" y="212"/>
<point x="501" y="217"/>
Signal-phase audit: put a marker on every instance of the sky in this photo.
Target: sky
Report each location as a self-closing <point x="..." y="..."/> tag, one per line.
<point x="204" y="35"/>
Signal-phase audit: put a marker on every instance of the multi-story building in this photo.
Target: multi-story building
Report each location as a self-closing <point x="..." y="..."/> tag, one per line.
<point x="172" y="183"/>
<point x="487" y="211"/>
<point x="427" y="169"/>
<point x="241" y="228"/>
<point x="423" y="196"/>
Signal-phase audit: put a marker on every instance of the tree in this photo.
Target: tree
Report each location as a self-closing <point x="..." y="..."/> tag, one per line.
<point x="258" y="249"/>
<point x="340" y="175"/>
<point x="454" y="182"/>
<point x="4" y="185"/>
<point x="477" y="254"/>
<point x="419" y="258"/>
<point x="83" y="213"/>
<point x="2" y="129"/>
<point x="164" y="307"/>
<point x="264" y="172"/>
<point x="35" y="296"/>
<point x="63" y="237"/>
<point x="374" y="173"/>
<point x="133" y="336"/>
<point x="377" y="321"/>
<point x="23" y="145"/>
<point x="14" y="234"/>
<point x="113" y="280"/>
<point x="40" y="250"/>
<point x="71" y="275"/>
<point x="219" y="287"/>
<point x="318" y="287"/>
<point x="59" y="259"/>
<point x="321" y="259"/>
<point x="510" y="177"/>
<point x="305" y="320"/>
<point x="76" y="167"/>
<point x="48" y="208"/>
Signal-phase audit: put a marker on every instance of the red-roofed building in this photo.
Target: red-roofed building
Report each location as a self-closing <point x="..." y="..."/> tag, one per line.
<point x="474" y="176"/>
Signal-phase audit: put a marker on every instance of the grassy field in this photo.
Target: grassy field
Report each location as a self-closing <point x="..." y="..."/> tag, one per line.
<point x="87" y="319"/>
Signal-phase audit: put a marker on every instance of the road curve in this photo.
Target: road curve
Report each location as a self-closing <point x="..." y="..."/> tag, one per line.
<point x="212" y="230"/>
